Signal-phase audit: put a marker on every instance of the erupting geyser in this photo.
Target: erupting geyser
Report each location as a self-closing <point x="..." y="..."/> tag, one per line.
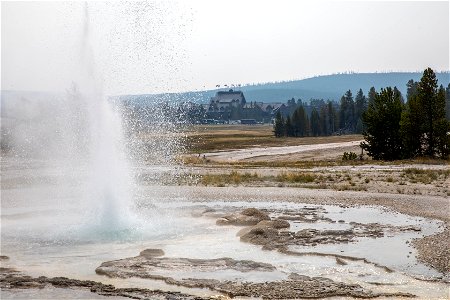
<point x="77" y="145"/>
<point x="110" y="181"/>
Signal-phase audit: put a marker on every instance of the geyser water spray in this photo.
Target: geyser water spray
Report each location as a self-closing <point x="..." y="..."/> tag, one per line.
<point x="82" y="138"/>
<point x="109" y="178"/>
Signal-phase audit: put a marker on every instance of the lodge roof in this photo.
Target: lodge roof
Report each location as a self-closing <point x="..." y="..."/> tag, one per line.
<point x="229" y="96"/>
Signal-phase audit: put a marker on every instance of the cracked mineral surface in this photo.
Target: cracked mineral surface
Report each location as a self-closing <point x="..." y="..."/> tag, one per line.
<point x="294" y="286"/>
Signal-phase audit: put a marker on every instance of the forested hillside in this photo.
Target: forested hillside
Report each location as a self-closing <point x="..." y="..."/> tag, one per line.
<point x="329" y="87"/>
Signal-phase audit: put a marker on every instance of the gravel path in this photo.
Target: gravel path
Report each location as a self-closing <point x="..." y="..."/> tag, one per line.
<point x="241" y="154"/>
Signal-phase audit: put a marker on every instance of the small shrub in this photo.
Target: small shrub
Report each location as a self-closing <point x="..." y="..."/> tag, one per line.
<point x="425" y="176"/>
<point x="344" y="187"/>
<point x="297" y="177"/>
<point x="349" y="156"/>
<point x="233" y="178"/>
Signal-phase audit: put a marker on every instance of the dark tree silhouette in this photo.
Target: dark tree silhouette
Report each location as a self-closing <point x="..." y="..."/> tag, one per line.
<point x="382" y="121"/>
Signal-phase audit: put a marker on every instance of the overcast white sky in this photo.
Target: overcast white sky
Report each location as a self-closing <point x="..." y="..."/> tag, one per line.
<point x="168" y="46"/>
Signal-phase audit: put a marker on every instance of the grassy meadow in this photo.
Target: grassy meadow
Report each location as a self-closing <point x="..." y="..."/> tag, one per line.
<point x="316" y="169"/>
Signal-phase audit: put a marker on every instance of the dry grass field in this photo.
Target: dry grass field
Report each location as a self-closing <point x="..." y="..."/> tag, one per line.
<point x="215" y="158"/>
<point x="207" y="138"/>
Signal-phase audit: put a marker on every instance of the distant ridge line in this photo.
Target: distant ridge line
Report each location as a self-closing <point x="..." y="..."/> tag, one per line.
<point x="327" y="87"/>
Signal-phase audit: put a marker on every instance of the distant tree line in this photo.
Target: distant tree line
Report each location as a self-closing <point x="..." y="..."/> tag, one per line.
<point x="321" y="118"/>
<point x="419" y="127"/>
<point x="392" y="128"/>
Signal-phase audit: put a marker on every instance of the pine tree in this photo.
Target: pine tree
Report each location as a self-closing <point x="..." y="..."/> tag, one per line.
<point x="410" y="128"/>
<point x="296" y="123"/>
<point x="324" y="120"/>
<point x="315" y="123"/>
<point x="278" y="128"/>
<point x="433" y="108"/>
<point x="382" y="122"/>
<point x="300" y="121"/>
<point x="399" y="94"/>
<point x="347" y="111"/>
<point x="289" y="130"/>
<point x="447" y="102"/>
<point x="411" y="89"/>
<point x="360" y="107"/>
<point x="442" y="127"/>
<point x="307" y="126"/>
<point x="371" y="95"/>
<point x="333" y="119"/>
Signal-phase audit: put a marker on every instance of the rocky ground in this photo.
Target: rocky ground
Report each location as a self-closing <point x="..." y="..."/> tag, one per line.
<point x="295" y="286"/>
<point x="272" y="233"/>
<point x="11" y="279"/>
<point x="433" y="250"/>
<point x="258" y="227"/>
<point x="269" y="229"/>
